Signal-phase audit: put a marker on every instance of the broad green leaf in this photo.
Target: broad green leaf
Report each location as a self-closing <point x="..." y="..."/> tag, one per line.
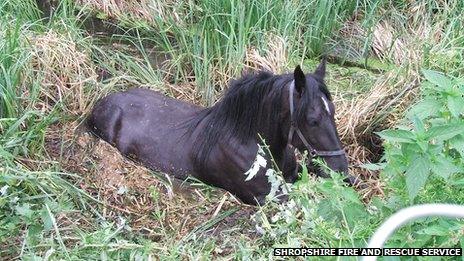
<point x="373" y="166"/>
<point x="424" y="109"/>
<point x="327" y="211"/>
<point x="437" y="121"/>
<point x="418" y="124"/>
<point x="457" y="143"/>
<point x="350" y="195"/>
<point x="397" y="135"/>
<point x="435" y="230"/>
<point x="424" y="145"/>
<point x="420" y="241"/>
<point x="304" y="174"/>
<point x="46" y="219"/>
<point x="24" y="210"/>
<point x="444" y="167"/>
<point x="445" y="132"/>
<point x="437" y="78"/>
<point x="354" y="213"/>
<point x="456" y="105"/>
<point x="410" y="150"/>
<point x="417" y="175"/>
<point x="34" y="230"/>
<point x="303" y="179"/>
<point x="435" y="149"/>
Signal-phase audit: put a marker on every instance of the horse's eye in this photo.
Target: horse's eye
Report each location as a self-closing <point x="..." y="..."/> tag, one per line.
<point x="313" y="122"/>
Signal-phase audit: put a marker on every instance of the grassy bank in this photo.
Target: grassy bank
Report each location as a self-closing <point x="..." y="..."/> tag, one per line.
<point x="65" y="195"/>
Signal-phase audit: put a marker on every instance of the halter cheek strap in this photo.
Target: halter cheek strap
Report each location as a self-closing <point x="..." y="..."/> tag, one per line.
<point x="294" y="128"/>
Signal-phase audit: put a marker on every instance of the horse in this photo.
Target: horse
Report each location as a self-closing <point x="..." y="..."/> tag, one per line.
<point x="217" y="145"/>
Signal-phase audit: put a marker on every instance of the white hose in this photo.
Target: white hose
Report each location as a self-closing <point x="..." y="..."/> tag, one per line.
<point x="403" y="216"/>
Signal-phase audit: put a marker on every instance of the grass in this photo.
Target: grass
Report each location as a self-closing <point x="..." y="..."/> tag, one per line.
<point x="206" y="39"/>
<point x="64" y="195"/>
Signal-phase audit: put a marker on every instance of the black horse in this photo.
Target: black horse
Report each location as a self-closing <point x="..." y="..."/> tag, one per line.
<point x="219" y="144"/>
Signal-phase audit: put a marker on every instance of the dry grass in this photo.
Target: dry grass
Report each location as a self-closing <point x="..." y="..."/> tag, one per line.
<point x="184" y="91"/>
<point x="274" y="57"/>
<point x="385" y="44"/>
<point x="147" y="10"/>
<point x="65" y="71"/>
<point x="397" y="40"/>
<point x="359" y="118"/>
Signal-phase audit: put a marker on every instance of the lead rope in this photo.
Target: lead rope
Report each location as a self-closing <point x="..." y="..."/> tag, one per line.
<point x="293" y="127"/>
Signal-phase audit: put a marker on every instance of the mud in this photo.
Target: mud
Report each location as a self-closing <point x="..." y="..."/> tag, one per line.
<point x="152" y="203"/>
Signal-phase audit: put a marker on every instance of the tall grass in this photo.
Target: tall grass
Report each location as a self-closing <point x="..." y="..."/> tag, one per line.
<point x="209" y="39"/>
<point x="34" y="192"/>
<point x="430" y="34"/>
<point x="8" y="52"/>
<point x="19" y="10"/>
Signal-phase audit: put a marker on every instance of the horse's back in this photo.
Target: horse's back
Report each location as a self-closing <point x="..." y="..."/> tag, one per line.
<point x="142" y="105"/>
<point x="145" y="125"/>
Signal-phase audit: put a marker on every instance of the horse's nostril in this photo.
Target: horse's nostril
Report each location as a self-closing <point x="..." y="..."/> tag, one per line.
<point x="350" y="180"/>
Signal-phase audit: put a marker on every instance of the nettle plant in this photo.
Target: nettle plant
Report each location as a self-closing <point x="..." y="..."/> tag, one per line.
<point x="319" y="212"/>
<point x="429" y="147"/>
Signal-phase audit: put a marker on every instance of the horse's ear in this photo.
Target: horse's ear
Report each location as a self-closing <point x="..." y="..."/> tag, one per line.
<point x="320" y="70"/>
<point x="300" y="79"/>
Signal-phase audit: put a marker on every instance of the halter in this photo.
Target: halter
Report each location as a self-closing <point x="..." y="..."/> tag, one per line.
<point x="294" y="128"/>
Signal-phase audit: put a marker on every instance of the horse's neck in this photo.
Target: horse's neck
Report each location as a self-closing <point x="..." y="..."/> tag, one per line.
<point x="276" y="147"/>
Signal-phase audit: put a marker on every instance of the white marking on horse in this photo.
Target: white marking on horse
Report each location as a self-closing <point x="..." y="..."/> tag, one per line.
<point x="326" y="104"/>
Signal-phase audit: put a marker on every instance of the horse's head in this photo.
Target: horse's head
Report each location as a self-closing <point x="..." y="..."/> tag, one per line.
<point x="312" y="124"/>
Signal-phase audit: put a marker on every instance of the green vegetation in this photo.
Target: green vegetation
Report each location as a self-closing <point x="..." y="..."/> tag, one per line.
<point x="66" y="196"/>
<point x="432" y="141"/>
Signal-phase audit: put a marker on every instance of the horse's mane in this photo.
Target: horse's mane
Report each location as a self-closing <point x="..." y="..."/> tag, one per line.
<point x="251" y="105"/>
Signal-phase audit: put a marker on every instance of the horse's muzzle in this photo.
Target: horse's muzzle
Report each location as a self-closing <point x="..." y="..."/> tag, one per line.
<point x="338" y="164"/>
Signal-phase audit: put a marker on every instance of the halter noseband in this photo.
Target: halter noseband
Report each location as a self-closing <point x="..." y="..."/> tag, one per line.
<point x="294" y="128"/>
